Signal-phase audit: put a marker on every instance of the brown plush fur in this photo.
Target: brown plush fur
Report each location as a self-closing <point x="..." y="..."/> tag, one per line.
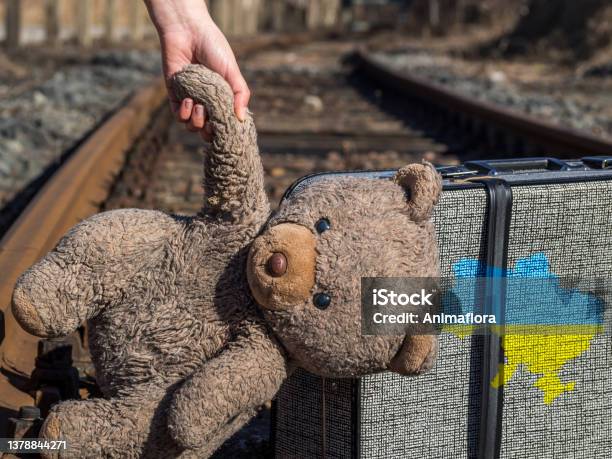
<point x="182" y="353"/>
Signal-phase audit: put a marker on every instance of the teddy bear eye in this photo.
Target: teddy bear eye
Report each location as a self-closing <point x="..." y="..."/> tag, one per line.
<point x="322" y="225"/>
<point x="321" y="300"/>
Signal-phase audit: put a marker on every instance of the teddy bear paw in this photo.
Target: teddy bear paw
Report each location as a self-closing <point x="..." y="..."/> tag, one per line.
<point x="26" y="313"/>
<point x="417" y="355"/>
<point x="51" y="430"/>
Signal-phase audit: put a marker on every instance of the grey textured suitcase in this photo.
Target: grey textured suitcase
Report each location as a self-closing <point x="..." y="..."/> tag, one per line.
<point x="557" y="399"/>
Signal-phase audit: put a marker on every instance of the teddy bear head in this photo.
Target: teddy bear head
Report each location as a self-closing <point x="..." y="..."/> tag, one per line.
<point x="305" y="269"/>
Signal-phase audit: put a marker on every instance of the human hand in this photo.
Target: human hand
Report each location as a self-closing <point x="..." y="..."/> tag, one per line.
<point x="188" y="35"/>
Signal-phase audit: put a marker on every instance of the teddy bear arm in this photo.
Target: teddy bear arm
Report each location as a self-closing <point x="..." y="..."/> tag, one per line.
<point x="89" y="269"/>
<point x="243" y="377"/>
<point x="233" y="173"/>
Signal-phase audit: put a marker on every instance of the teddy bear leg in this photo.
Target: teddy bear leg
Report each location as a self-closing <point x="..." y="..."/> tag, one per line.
<point x="227" y="389"/>
<point x="131" y="427"/>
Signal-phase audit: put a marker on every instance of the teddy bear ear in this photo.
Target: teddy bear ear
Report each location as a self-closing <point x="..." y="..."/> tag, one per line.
<point x="424" y="185"/>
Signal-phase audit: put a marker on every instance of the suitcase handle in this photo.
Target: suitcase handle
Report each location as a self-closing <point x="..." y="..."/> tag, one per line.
<point x="598" y="162"/>
<point x="499" y="166"/>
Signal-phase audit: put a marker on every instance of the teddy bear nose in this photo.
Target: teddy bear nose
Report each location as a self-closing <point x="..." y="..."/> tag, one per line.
<point x="277" y="265"/>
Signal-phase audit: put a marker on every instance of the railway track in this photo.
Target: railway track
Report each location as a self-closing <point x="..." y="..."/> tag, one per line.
<point x="314" y="111"/>
<point x="507" y="131"/>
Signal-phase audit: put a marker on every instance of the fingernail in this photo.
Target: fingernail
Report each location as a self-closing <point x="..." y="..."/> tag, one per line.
<point x="188" y="103"/>
<point x="199" y="109"/>
<point x="242" y="113"/>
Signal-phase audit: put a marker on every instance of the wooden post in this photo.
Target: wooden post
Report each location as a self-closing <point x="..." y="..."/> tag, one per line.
<point x="313" y="15"/>
<point x="13" y="23"/>
<point x="278" y="15"/>
<point x="237" y="17"/>
<point x="265" y="15"/>
<point x="135" y="19"/>
<point x="110" y="23"/>
<point x="434" y="14"/>
<point x="84" y="10"/>
<point x="250" y="15"/>
<point x="52" y="21"/>
<point x="220" y="10"/>
<point x="330" y="16"/>
<point x="459" y="9"/>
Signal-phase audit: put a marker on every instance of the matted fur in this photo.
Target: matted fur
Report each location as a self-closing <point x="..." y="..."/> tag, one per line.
<point x="183" y="354"/>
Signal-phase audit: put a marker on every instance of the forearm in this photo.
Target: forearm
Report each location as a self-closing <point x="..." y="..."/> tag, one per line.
<point x="171" y="16"/>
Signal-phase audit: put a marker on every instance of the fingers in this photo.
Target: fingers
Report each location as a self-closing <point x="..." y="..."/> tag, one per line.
<point x="198" y="123"/>
<point x="185" y="110"/>
<point x="198" y="118"/>
<point x="242" y="93"/>
<point x="194" y="115"/>
<point x="195" y="118"/>
<point x="241" y="102"/>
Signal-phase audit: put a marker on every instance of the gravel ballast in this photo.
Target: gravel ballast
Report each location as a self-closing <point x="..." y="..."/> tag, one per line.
<point x="557" y="103"/>
<point x="39" y="125"/>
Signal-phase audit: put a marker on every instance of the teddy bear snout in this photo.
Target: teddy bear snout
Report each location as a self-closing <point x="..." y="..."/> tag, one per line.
<point x="281" y="266"/>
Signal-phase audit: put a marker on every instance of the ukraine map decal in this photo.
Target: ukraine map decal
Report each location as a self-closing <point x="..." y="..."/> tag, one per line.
<point x="544" y="326"/>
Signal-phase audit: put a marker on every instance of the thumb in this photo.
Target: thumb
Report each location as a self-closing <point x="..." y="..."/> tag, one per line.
<point x="242" y="93"/>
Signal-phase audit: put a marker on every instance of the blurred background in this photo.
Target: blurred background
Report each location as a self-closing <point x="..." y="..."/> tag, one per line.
<point x="66" y="64"/>
<point x="576" y="29"/>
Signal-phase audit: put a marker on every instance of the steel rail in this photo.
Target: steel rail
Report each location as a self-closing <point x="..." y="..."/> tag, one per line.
<point x="558" y="139"/>
<point x="74" y="192"/>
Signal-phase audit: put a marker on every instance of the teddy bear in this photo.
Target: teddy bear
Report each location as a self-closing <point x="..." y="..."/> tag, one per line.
<point x="195" y="322"/>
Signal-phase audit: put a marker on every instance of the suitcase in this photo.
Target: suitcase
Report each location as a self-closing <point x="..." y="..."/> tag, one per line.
<point x="557" y="398"/>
